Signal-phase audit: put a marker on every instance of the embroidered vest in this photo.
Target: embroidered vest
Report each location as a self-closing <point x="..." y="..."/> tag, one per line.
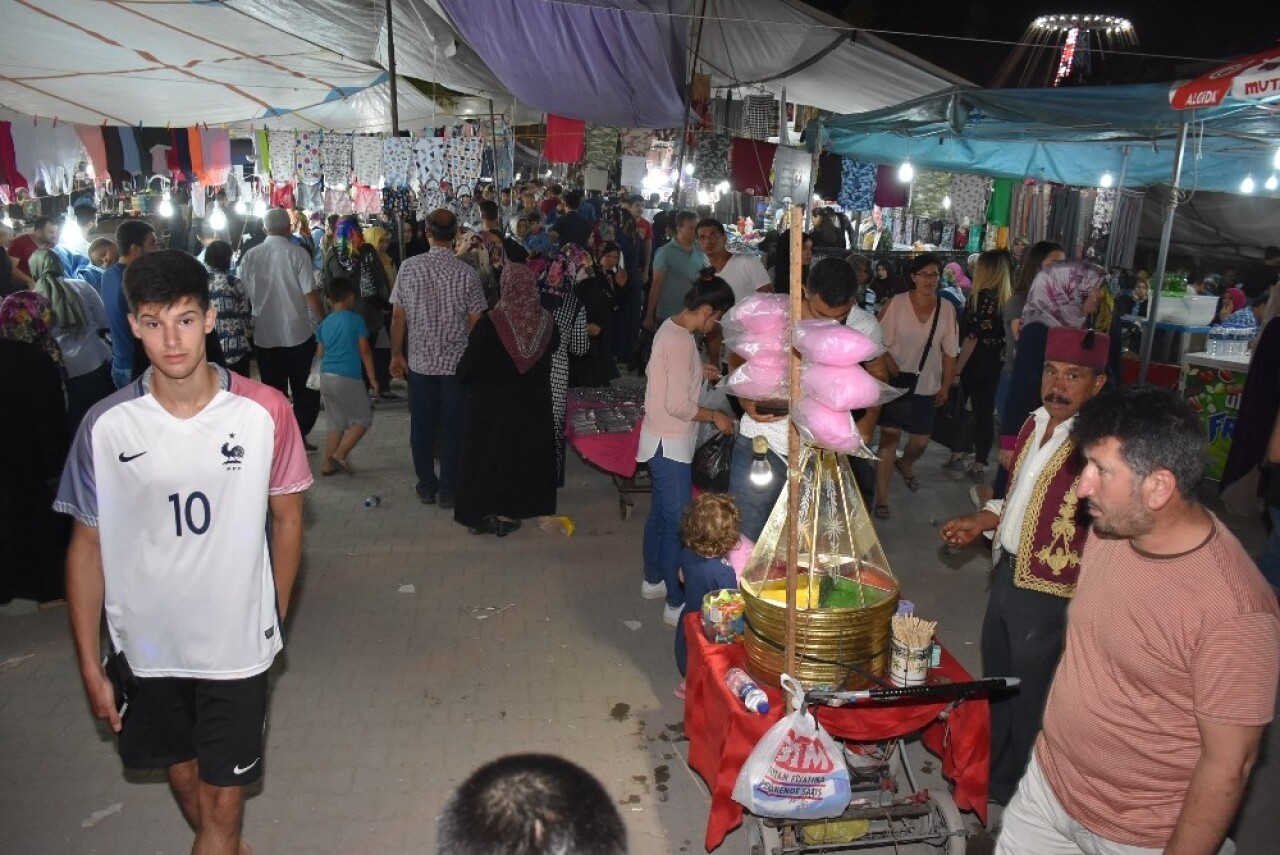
<point x="1053" y="525"/>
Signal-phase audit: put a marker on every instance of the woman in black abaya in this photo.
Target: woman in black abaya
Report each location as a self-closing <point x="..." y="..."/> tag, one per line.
<point x="508" y="439"/>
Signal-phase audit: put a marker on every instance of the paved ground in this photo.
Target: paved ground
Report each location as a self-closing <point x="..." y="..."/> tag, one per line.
<point x="388" y="696"/>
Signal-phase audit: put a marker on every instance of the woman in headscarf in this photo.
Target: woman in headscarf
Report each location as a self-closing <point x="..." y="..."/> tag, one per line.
<point x="557" y="286"/>
<point x="79" y="319"/>
<point x="601" y="294"/>
<point x="508" y="445"/>
<point x="1231" y="301"/>
<point x="358" y="262"/>
<point x="1061" y="295"/>
<point x="33" y="430"/>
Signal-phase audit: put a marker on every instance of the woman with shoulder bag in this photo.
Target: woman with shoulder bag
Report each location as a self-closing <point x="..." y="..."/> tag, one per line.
<point x="922" y="339"/>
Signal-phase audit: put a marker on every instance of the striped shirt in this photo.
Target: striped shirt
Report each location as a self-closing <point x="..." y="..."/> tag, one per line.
<point x="1153" y="644"/>
<point x="437" y="292"/>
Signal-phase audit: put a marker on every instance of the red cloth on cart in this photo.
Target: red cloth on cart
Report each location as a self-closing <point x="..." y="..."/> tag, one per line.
<point x="722" y="733"/>
<point x="612" y="452"/>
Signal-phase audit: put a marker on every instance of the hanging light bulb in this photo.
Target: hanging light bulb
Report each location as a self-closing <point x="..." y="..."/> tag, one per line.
<point x="722" y="187"/>
<point x="260" y="208"/>
<point x="6" y="222"/>
<point x="761" y="471"/>
<point x="1247" y="185"/>
<point x="1107" y="180"/>
<point x="906" y="172"/>
<point x="688" y="169"/>
<point x="166" y="206"/>
<point x="946" y="203"/>
<point x="70" y="234"/>
<point x="241" y="208"/>
<point x="217" y="219"/>
<point x="1272" y="183"/>
<point x="548" y="173"/>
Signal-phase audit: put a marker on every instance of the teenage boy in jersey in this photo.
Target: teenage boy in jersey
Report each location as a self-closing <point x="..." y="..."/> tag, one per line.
<point x="171" y="481"/>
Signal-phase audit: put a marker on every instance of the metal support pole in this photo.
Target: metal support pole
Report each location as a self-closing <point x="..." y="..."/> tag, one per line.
<point x="1166" y="233"/>
<point x="793" y="450"/>
<point x="688" y="96"/>
<point x="395" y="112"/>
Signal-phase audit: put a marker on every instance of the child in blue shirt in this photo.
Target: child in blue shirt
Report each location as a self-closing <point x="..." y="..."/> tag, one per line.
<point x="709" y="530"/>
<point x="343" y="347"/>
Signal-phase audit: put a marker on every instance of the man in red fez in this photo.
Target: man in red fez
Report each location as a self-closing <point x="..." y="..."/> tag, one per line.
<point x="1039" y="532"/>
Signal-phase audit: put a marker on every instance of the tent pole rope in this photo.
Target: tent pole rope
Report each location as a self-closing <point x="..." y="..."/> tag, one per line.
<point x="1166" y="233"/>
<point x="391" y="71"/>
<point x="796" y="215"/>
<point x="688" y="96"/>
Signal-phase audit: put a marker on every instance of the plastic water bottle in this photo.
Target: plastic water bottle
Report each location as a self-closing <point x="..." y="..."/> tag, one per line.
<point x="373" y="501"/>
<point x="751" y="695"/>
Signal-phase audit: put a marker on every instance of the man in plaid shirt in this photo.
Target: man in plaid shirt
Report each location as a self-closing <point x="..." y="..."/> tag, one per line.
<point x="437" y="300"/>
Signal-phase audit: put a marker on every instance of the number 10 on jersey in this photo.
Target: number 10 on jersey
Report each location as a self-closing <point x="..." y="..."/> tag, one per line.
<point x="194" y="512"/>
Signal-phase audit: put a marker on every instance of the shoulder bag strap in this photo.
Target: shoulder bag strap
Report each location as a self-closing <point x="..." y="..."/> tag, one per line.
<point x="928" y="343"/>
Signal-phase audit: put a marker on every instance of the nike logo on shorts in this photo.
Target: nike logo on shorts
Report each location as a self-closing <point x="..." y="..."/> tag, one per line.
<point x="240" y="770"/>
<point x="126" y="458"/>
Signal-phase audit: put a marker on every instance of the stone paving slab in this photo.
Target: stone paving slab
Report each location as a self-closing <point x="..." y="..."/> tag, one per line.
<point x="384" y="701"/>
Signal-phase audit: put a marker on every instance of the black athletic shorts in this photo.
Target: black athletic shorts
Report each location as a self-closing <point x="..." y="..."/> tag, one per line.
<point x="218" y="723"/>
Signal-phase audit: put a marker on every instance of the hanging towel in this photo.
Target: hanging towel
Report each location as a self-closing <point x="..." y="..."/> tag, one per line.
<point x="463" y="162"/>
<point x="366" y="157"/>
<point x="182" y="144"/>
<point x="890" y="192"/>
<point x="29" y="140"/>
<point x="91" y="139"/>
<point x="428" y="153"/>
<point x="1001" y="197"/>
<point x="261" y="152"/>
<point x="857" y="185"/>
<point x="283" y="155"/>
<point x="566" y="141"/>
<point x="750" y="165"/>
<point x="335" y="158"/>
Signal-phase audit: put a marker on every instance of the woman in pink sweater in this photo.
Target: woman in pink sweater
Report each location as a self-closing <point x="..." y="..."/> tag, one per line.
<point x="667" y="436"/>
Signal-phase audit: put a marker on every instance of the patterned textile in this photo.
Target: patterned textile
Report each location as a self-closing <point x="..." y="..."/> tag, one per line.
<point x="366" y="157"/>
<point x="969" y="197"/>
<point x="463" y="161"/>
<point x="1057" y="294"/>
<point x="948" y="236"/>
<point x="310" y="196"/>
<point x="713" y="158"/>
<point x="975" y="238"/>
<point x="600" y="146"/>
<point x="760" y="117"/>
<point x="398" y="201"/>
<point x="857" y="185"/>
<point x="437" y="291"/>
<point x="1124" y="230"/>
<point x="338" y="201"/>
<point x="1099" y="226"/>
<point x="27" y="316"/>
<point x="282" y="195"/>
<point x="368" y="200"/>
<point x="428" y="155"/>
<point x="571" y="266"/>
<point x="283" y="153"/>
<point x="235" y="320"/>
<point x="308" y="155"/>
<point x="397" y="161"/>
<point x="636" y="141"/>
<point x="335" y="158"/>
<point x="431" y="198"/>
<point x="571" y="319"/>
<point x="928" y="192"/>
<point x="523" y="326"/>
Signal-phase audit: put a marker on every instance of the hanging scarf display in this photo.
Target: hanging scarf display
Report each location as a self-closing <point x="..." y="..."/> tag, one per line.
<point x="26" y="316"/>
<point x="927" y="193"/>
<point x="335" y="158"/>
<point x="969" y="197"/>
<point x="90" y="138"/>
<point x="398" y="201"/>
<point x="600" y="146"/>
<point x="1001" y="198"/>
<point x="463" y="161"/>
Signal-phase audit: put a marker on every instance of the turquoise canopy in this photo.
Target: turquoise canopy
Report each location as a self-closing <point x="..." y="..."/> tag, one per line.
<point x="1069" y="136"/>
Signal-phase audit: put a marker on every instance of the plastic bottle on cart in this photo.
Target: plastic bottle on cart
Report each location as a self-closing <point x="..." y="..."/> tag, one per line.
<point x="751" y="695"/>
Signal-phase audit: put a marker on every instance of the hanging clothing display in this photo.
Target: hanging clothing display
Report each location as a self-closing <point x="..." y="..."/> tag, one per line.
<point x="284" y="155"/>
<point x="310" y="195"/>
<point x="338" y="202"/>
<point x="307" y="154"/>
<point x="636" y="141"/>
<point x="197" y="152"/>
<point x="890" y="192"/>
<point x="335" y="158"/>
<point x="428" y="154"/>
<point x="600" y="146"/>
<point x="1104" y="209"/>
<point x="261" y="152"/>
<point x="216" y="148"/>
<point x="827" y="182"/>
<point x="397" y="161"/>
<point x="1001" y="198"/>
<point x="969" y="197"/>
<point x="928" y="191"/>
<point x="463" y="161"/>
<point x="1124" y="229"/>
<point x="366" y="158"/>
<point x="712" y="158"/>
<point x="91" y="139"/>
<point x="857" y="185"/>
<point x="565" y="139"/>
<point x="181" y="143"/>
<point x="282" y="195"/>
<point x="368" y="200"/>
<point x="760" y="117"/>
<point x="750" y="164"/>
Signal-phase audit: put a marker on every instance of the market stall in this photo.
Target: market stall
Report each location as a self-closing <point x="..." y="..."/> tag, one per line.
<point x="603" y="425"/>
<point x="1212" y="385"/>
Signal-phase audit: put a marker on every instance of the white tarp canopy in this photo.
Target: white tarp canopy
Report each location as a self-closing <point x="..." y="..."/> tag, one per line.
<point x="322" y="63"/>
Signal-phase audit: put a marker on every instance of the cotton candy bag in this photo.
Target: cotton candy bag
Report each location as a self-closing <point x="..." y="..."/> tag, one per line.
<point x="756" y="315"/>
<point x="796" y="770"/>
<point x="839" y="387"/>
<point x="820" y="425"/>
<point x="760" y="379"/>
<point x="832" y="343"/>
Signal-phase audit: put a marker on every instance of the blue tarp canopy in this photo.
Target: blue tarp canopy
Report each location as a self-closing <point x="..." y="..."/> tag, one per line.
<point x="1069" y="136"/>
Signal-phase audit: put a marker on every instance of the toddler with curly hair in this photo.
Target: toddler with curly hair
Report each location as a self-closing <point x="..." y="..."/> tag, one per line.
<point x="709" y="529"/>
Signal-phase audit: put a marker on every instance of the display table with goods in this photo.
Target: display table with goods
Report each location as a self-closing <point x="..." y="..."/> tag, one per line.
<point x="603" y="425"/>
<point x="1212" y="385"/>
<point x="822" y="765"/>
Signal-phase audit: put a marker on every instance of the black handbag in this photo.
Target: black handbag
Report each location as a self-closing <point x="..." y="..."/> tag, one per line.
<point x="711" y="464"/>
<point x="897" y="413"/>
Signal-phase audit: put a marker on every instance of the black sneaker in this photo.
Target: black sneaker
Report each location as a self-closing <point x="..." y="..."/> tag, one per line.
<point x="446" y="502"/>
<point x="427" y="498"/>
<point x="309" y="447"/>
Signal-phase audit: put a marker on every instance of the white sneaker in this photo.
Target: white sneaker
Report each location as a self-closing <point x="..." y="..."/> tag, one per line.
<point x="671" y="615"/>
<point x="653" y="590"/>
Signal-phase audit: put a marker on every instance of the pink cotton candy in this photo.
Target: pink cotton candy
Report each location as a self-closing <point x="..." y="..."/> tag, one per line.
<point x="839" y="387"/>
<point x="740" y="555"/>
<point x="758" y="313"/>
<point x="752" y="346"/>
<point x="760" y="380"/>
<point x="833" y="343"/>
<point x="825" y="427"/>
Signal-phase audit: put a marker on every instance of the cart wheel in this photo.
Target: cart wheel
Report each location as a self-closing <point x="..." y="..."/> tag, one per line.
<point x="625" y="507"/>
<point x="947" y="819"/>
<point x="761" y="839"/>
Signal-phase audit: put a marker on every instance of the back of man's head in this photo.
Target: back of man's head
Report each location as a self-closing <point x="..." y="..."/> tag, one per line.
<point x="573" y="199"/>
<point x="489" y="209"/>
<point x="442" y="226"/>
<point x="132" y="234"/>
<point x="531" y="804"/>
<point x="834" y="281"/>
<point x="1271" y="253"/>
<point x="1155" y="429"/>
<point x="277" y="221"/>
